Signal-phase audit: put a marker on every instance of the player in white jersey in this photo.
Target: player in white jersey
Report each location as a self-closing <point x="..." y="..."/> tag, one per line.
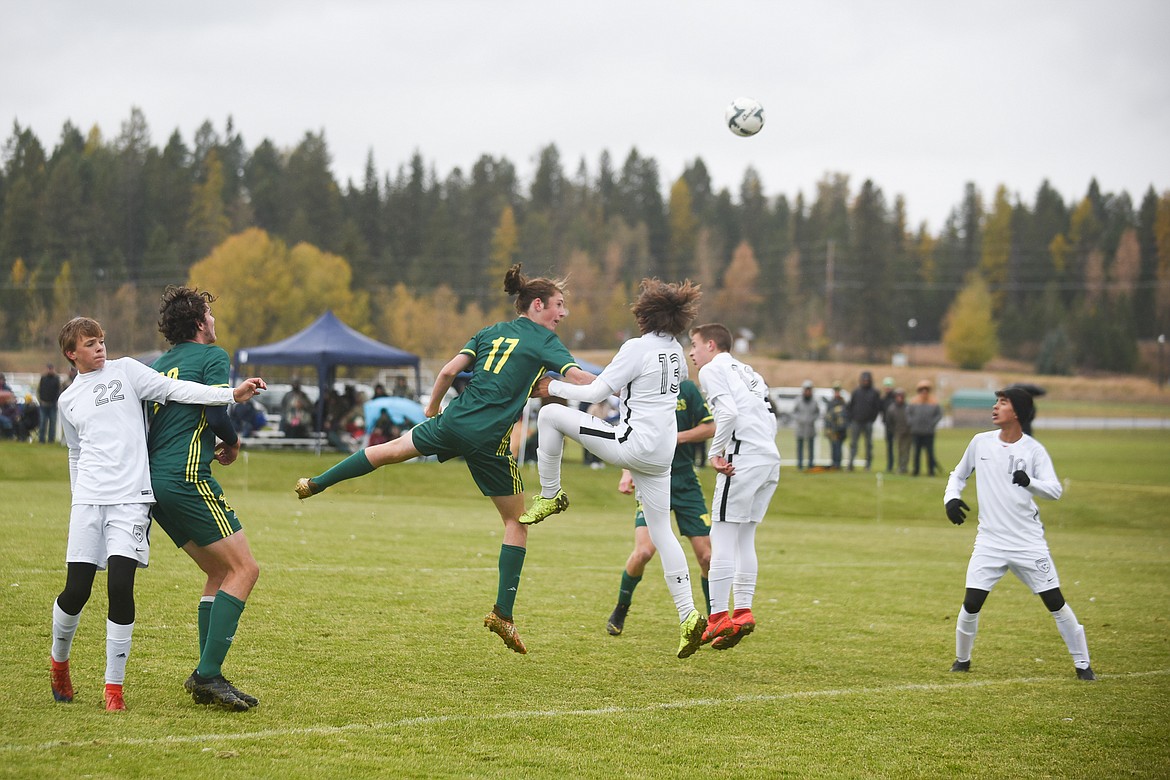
<point x="743" y="452"/>
<point x="645" y="375"/>
<point x="1013" y="469"/>
<point x="102" y="423"/>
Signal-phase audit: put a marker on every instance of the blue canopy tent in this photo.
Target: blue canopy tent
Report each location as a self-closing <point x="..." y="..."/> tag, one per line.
<point x="325" y="345"/>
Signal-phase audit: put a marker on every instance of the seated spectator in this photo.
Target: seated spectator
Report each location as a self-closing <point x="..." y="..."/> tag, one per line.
<point x="296" y="413"/>
<point x="383" y="430"/>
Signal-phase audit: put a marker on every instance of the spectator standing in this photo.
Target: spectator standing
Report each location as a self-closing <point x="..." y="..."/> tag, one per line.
<point x="402" y="389"/>
<point x="805" y="414"/>
<point x="836" y="425"/>
<point x="924" y="414"/>
<point x="48" y="391"/>
<point x="296" y="412"/>
<point x="865" y="404"/>
<point x="887" y="400"/>
<point x="898" y="426"/>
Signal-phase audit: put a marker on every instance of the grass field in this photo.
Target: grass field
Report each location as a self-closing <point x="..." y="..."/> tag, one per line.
<point x="364" y="639"/>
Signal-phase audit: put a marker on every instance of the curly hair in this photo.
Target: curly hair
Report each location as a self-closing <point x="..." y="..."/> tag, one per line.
<point x="181" y="312"/>
<point x="666" y="308"/>
<point x="528" y="290"/>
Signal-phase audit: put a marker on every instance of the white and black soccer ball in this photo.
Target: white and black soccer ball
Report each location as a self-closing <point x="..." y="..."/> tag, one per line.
<point x="745" y="116"/>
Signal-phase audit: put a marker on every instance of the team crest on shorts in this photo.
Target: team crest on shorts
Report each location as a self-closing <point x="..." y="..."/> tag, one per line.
<point x="1043" y="565"/>
<point x="139" y="533"/>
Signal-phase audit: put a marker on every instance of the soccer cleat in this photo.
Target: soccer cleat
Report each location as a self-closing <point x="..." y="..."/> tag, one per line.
<point x="306" y="488"/>
<point x="1086" y="674"/>
<point x="691" y="634"/>
<point x="215" y="691"/>
<point x="60" y="680"/>
<point x="114" y="701"/>
<point x="506" y="630"/>
<point x="247" y="698"/>
<point x="963" y="666"/>
<point x="617" y="619"/>
<point x="718" y="626"/>
<point x="545" y="507"/>
<point x="744" y="624"/>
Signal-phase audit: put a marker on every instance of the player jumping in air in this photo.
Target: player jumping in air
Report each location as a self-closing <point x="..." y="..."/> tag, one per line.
<point x="109" y="524"/>
<point x="695" y="426"/>
<point x="506" y="359"/>
<point x="1013" y="469"/>
<point x="645" y="375"/>
<point x="743" y="452"/>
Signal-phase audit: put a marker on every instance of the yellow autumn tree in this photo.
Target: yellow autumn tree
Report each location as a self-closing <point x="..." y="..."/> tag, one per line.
<point x="997" y="247"/>
<point x="740" y="295"/>
<point x="968" y="329"/>
<point x="267" y="291"/>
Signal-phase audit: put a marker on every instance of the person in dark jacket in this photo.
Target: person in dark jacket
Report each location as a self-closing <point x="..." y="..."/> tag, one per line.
<point x="48" y="391"/>
<point x="865" y="404"/>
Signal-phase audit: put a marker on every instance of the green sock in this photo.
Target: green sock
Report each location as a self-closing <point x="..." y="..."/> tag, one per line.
<point x="204" y="621"/>
<point x="706" y="583"/>
<point x="221" y="630"/>
<point x="626" y="594"/>
<point x="356" y="465"/>
<point x="511" y="562"/>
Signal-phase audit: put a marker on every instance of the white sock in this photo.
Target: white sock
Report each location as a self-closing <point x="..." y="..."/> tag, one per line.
<point x="965" y="629"/>
<point x="747" y="565"/>
<point x="745" y="589"/>
<point x="64" y="627"/>
<point x="117" y="651"/>
<point x="679" y="584"/>
<point x="549" y="466"/>
<point x="1073" y="634"/>
<point x="721" y="573"/>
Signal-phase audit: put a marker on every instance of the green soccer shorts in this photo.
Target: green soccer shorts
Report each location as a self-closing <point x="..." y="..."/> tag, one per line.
<point x="193" y="511"/>
<point x="492" y="467"/>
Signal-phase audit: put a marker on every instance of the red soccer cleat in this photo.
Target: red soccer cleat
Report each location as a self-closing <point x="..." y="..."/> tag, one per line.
<point x="59" y="679"/>
<point x="718" y="625"/>
<point x="744" y="623"/>
<point x="114" y="700"/>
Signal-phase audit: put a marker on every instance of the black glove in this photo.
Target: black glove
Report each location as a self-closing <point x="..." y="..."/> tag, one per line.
<point x="955" y="511"/>
<point x="1020" y="477"/>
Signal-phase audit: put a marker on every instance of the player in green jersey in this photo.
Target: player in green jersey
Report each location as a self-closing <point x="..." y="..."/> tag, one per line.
<point x="695" y="424"/>
<point x="506" y="360"/>
<point x="190" y="504"/>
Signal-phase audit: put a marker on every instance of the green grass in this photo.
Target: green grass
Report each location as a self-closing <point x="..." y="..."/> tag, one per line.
<point x="364" y="642"/>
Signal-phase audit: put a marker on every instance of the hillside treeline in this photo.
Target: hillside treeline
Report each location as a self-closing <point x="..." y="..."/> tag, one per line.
<point x="101" y="224"/>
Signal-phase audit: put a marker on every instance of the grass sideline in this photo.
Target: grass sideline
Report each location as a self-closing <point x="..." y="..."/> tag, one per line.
<point x="363" y="638"/>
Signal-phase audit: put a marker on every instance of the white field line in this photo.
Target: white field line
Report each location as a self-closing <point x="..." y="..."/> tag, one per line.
<point x="432" y="720"/>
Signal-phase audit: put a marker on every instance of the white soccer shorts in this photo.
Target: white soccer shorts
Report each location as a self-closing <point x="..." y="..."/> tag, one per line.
<point x="744" y="497"/>
<point x="1034" y="568"/>
<point x="96" y="532"/>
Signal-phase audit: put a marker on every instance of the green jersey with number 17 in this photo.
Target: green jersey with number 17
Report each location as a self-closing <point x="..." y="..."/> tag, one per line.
<point x="509" y="358"/>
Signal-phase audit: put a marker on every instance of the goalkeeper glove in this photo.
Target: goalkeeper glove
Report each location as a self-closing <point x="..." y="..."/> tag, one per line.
<point x="955" y="511"/>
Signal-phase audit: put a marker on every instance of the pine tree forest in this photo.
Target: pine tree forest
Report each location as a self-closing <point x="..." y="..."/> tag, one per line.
<point x="99" y="225"/>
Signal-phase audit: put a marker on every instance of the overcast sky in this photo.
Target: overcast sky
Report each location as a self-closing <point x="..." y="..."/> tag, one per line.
<point x="921" y="97"/>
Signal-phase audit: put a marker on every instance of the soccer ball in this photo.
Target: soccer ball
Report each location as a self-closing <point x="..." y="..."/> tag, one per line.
<point x="745" y="116"/>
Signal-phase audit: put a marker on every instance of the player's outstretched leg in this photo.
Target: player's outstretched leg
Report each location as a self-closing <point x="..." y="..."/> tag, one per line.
<point x="506" y="630"/>
<point x="545" y="507"/>
<point x="691" y="634"/>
